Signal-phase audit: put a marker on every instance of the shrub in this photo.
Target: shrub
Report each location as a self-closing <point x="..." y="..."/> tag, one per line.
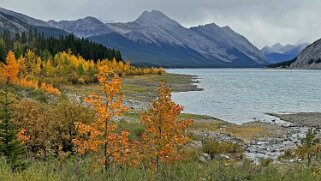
<point x="214" y="147"/>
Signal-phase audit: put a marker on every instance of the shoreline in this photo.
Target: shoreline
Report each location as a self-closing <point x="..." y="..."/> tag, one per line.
<point x="260" y="139"/>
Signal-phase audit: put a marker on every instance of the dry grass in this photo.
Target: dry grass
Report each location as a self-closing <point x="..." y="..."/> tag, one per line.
<point x="247" y="132"/>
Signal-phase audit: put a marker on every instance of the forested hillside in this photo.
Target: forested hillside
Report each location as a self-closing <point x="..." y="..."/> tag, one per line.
<point x="46" y="46"/>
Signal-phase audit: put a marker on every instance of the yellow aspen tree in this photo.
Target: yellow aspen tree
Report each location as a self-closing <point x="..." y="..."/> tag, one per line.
<point x="49" y="68"/>
<point x="22" y="66"/>
<point x="30" y="61"/>
<point x="100" y="135"/>
<point x="12" y="68"/>
<point x="3" y="73"/>
<point x="164" y="135"/>
<point x="37" y="68"/>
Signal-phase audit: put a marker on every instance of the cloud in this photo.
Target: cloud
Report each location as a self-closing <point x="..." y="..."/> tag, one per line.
<point x="262" y="22"/>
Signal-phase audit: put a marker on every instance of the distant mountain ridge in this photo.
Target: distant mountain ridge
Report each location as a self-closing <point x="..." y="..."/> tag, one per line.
<point x="155" y="39"/>
<point x="15" y="22"/>
<point x="309" y="58"/>
<point x="86" y="27"/>
<point x="279" y="53"/>
<point x="37" y="35"/>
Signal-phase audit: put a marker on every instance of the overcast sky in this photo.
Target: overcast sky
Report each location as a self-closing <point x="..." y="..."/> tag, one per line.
<point x="263" y="22"/>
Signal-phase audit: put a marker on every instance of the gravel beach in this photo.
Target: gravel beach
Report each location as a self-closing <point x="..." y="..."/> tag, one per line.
<point x="311" y="119"/>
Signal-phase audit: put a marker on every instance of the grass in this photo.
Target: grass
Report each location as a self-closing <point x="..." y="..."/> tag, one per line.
<point x="196" y="117"/>
<point x="142" y="88"/>
<point x="207" y="123"/>
<point x="214" y="147"/>
<point x="201" y="122"/>
<point x="247" y="132"/>
<point x="77" y="168"/>
<point x="211" y="125"/>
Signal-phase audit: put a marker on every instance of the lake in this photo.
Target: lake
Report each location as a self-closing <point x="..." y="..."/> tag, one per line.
<point x="244" y="95"/>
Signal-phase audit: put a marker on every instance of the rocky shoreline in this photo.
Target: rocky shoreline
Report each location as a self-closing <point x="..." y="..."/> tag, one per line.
<point x="288" y="130"/>
<point x="283" y="136"/>
<point x="312" y="119"/>
<point x="273" y="147"/>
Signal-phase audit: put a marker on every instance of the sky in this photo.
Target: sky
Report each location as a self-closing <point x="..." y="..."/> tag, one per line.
<point x="263" y="22"/>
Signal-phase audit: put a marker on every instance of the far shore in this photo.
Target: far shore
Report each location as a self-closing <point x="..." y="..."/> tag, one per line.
<point x="311" y="119"/>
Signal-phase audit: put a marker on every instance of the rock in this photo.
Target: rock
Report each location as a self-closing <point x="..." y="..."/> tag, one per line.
<point x="224" y="156"/>
<point x="204" y="157"/>
<point x="195" y="144"/>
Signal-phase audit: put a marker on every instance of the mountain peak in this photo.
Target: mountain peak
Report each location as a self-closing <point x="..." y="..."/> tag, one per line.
<point x="212" y="25"/>
<point x="153" y="13"/>
<point x="92" y="19"/>
<point x="154" y="17"/>
<point x="227" y="28"/>
<point x="277" y="45"/>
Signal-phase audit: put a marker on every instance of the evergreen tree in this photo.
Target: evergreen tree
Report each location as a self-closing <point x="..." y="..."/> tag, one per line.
<point x="10" y="147"/>
<point x="33" y="40"/>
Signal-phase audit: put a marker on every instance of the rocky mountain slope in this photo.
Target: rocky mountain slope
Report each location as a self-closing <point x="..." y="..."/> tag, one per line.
<point x="16" y="22"/>
<point x="310" y="57"/>
<point x="88" y="26"/>
<point x="155" y="39"/>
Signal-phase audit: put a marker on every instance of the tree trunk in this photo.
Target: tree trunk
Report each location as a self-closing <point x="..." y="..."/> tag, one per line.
<point x="106" y="139"/>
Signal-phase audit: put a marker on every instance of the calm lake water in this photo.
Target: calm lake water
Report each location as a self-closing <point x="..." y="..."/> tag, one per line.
<point x="243" y="95"/>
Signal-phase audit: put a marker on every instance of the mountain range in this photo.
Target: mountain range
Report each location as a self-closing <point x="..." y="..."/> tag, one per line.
<point x="157" y="40"/>
<point x="279" y="53"/>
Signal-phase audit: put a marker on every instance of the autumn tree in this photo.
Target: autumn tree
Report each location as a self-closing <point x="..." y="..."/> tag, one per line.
<point x="10" y="70"/>
<point x="10" y="146"/>
<point x="101" y="135"/>
<point x="37" y="120"/>
<point x="49" y="128"/>
<point x="164" y="135"/>
<point x="67" y="114"/>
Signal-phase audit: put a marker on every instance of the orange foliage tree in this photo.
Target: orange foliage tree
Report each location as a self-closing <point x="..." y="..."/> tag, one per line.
<point x="50" y="89"/>
<point x="9" y="72"/>
<point x="164" y="135"/>
<point x="100" y="135"/>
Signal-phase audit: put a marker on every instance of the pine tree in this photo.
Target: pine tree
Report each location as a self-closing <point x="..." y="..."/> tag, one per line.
<point x="10" y="146"/>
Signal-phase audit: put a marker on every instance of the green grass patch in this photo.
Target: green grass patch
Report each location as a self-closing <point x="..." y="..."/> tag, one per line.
<point x="196" y="117"/>
<point x="247" y="132"/>
<point x="214" y="147"/>
<point x="142" y="87"/>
